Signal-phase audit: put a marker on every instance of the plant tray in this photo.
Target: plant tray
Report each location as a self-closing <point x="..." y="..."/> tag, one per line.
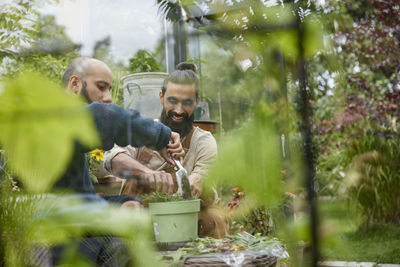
<point x="241" y="249"/>
<point x="243" y="258"/>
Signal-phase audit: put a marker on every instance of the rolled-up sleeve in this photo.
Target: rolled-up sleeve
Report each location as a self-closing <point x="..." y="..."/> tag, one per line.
<point x="110" y="154"/>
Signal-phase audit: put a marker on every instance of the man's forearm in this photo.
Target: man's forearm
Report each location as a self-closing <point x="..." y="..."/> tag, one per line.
<point x="126" y="167"/>
<point x="145" y="179"/>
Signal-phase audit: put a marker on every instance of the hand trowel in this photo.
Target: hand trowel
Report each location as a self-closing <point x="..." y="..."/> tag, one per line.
<point x="183" y="181"/>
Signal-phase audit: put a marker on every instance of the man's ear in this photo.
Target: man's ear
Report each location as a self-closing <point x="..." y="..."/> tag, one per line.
<point x="161" y="97"/>
<point x="74" y="84"/>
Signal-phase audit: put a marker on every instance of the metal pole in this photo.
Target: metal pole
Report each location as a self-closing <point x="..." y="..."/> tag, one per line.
<point x="220" y="113"/>
<point x="179" y="33"/>
<point x="166" y="36"/>
<point x="306" y="113"/>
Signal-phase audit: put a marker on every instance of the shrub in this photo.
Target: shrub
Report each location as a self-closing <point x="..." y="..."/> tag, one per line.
<point x="373" y="179"/>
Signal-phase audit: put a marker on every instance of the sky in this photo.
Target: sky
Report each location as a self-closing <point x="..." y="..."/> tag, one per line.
<point x="132" y="24"/>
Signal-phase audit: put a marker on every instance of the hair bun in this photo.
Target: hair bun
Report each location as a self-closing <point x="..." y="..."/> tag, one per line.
<point x="186" y="66"/>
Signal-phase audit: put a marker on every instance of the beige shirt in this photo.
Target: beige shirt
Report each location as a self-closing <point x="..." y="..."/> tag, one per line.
<point x="201" y="154"/>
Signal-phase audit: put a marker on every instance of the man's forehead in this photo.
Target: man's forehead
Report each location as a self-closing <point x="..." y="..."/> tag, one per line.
<point x="100" y="75"/>
<point x="179" y="89"/>
<point x="98" y="68"/>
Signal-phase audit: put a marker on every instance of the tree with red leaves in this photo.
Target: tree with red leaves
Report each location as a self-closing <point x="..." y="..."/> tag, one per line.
<point x="361" y="113"/>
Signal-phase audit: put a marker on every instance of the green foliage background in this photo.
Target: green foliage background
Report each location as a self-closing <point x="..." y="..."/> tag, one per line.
<point x="33" y="42"/>
<point x="144" y="61"/>
<point x="356" y="104"/>
<point x="347" y="76"/>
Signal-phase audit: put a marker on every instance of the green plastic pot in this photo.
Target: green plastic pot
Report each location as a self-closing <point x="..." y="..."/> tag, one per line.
<point x="175" y="221"/>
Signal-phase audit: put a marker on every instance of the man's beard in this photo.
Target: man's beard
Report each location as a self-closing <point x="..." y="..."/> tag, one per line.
<point x="84" y="93"/>
<point x="183" y="128"/>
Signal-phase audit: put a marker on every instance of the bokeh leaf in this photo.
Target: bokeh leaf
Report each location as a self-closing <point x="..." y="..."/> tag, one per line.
<point x="313" y="36"/>
<point x="39" y="124"/>
<point x="252" y="160"/>
<point x="70" y="216"/>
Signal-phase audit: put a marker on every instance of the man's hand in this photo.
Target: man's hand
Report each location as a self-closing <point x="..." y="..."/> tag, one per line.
<point x="174" y="149"/>
<point x="142" y="178"/>
<point x="146" y="182"/>
<point x="131" y="204"/>
<point x="195" y="184"/>
<point x="159" y="181"/>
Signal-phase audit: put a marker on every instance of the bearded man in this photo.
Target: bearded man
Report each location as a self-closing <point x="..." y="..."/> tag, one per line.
<point x="179" y="97"/>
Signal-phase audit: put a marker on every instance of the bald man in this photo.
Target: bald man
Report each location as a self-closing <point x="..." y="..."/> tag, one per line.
<point x="90" y="78"/>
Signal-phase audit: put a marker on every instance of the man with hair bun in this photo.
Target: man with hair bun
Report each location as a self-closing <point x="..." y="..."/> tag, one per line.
<point x="179" y="97"/>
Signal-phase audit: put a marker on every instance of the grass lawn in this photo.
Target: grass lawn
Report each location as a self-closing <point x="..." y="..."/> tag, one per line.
<point x="348" y="242"/>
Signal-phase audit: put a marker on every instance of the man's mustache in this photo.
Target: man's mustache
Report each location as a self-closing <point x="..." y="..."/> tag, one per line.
<point x="183" y="127"/>
<point x="171" y="114"/>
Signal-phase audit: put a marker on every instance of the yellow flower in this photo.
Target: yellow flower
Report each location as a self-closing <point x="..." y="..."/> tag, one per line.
<point x="98" y="154"/>
<point x="237" y="247"/>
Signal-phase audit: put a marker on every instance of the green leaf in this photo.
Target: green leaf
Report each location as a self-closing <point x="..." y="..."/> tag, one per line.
<point x="313" y="36"/>
<point x="39" y="124"/>
<point x="287" y="41"/>
<point x="70" y="217"/>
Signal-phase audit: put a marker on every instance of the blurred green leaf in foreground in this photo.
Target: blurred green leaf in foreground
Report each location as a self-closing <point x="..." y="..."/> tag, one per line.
<point x="252" y="160"/>
<point x="32" y="222"/>
<point x="39" y="124"/>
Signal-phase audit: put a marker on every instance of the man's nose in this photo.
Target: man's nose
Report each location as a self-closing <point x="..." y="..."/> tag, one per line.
<point x="107" y="98"/>
<point x="178" y="109"/>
